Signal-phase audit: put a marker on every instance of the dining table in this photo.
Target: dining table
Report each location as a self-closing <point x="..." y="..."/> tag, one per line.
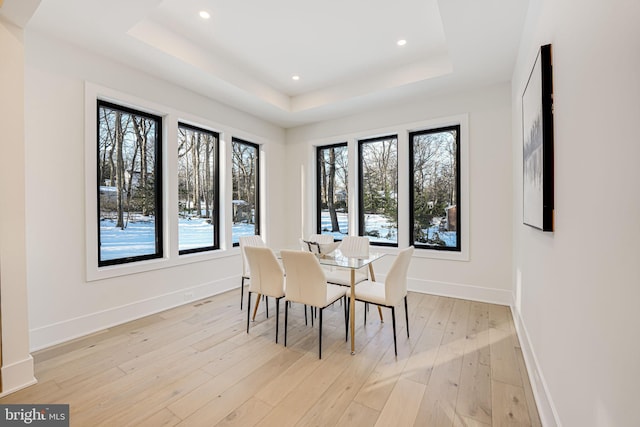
<point x="352" y="263"/>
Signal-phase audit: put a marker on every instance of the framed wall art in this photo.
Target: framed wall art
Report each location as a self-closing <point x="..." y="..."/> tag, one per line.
<point x="537" y="150"/>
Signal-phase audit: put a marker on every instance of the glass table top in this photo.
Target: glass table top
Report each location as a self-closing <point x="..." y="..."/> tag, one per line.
<point x="338" y="259"/>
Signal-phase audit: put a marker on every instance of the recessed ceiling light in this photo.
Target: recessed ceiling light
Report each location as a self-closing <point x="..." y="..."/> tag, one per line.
<point x="402" y="42"/>
<point x="204" y="14"/>
<point x="296" y="77"/>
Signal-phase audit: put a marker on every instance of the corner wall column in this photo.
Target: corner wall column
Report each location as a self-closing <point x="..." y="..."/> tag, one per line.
<point x="16" y="362"/>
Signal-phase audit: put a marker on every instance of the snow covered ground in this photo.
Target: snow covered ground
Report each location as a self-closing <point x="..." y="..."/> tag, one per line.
<point x="378" y="227"/>
<point x="138" y="238"/>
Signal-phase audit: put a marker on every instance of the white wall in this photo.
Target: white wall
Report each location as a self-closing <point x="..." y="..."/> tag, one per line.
<point x="580" y="286"/>
<point x="17" y="364"/>
<point x="486" y="276"/>
<point x="62" y="303"/>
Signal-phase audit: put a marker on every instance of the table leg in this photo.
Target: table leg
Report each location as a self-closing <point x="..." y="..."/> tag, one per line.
<point x="255" y="310"/>
<point x="373" y="279"/>
<point x="352" y="309"/>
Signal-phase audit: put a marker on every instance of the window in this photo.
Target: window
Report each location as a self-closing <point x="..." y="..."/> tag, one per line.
<point x="245" y="172"/>
<point x="378" y="190"/>
<point x="129" y="185"/>
<point x="198" y="217"/>
<point x="434" y="206"/>
<point x="332" y="190"/>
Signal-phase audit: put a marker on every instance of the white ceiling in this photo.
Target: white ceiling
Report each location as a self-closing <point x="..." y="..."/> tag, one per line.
<point x="344" y="51"/>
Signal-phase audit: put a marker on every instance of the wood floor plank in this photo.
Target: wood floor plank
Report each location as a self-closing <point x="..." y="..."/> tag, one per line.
<point x="155" y="400"/>
<point x="534" y="417"/>
<point x="298" y="401"/>
<point x="247" y="414"/>
<point x="422" y="359"/>
<point x="332" y="404"/>
<point x="197" y="365"/>
<point x="474" y="395"/>
<point x="161" y="418"/>
<point x="402" y="406"/>
<point x="441" y="313"/>
<point x="357" y="415"/>
<point x="225" y="403"/>
<point x="462" y="421"/>
<point x="504" y="364"/>
<point x="509" y="407"/>
<point x="375" y="392"/>
<point x="200" y="397"/>
<point x="299" y="371"/>
<point x="438" y="406"/>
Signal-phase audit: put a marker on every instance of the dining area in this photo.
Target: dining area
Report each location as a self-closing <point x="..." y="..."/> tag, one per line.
<point x="327" y="360"/>
<point x="322" y="274"/>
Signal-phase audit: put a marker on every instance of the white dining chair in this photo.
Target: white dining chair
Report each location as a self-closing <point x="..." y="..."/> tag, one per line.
<point x="314" y="242"/>
<point x="246" y="241"/>
<point x="390" y="293"/>
<point x="351" y="246"/>
<point x="266" y="278"/>
<point x="306" y="284"/>
<point x="321" y="238"/>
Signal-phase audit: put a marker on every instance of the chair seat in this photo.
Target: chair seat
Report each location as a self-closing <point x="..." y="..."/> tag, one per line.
<point x="373" y="292"/>
<point x="272" y="294"/>
<point x="343" y="277"/>
<point x="334" y="293"/>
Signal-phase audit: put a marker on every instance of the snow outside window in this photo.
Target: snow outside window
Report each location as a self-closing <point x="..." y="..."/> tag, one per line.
<point x="129" y="185"/>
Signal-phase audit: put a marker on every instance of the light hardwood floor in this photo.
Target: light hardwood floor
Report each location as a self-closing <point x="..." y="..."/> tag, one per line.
<point x="195" y="365"/>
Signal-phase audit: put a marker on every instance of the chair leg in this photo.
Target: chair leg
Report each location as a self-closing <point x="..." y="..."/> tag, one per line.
<point x="248" y="309"/>
<point x="266" y="305"/>
<point x="277" y="317"/>
<point x="241" y="292"/>
<point x="393" y="320"/>
<point x="320" y="336"/>
<point x="406" y="314"/>
<point x="305" y="315"/>
<point x="366" y="306"/>
<point x="286" y="317"/>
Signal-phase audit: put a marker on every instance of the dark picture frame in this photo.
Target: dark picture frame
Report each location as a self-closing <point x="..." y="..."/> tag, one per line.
<point x="537" y="150"/>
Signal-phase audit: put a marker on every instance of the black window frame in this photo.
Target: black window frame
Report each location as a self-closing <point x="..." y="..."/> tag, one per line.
<point x="412" y="240"/>
<point x="158" y="184"/>
<point x="258" y="184"/>
<point x="361" y="213"/>
<point x="215" y="220"/>
<point x="318" y="189"/>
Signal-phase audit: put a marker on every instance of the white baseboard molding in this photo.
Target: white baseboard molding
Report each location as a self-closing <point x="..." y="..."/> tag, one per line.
<point x="18" y="375"/>
<point x="70" y="329"/>
<point x="456" y="290"/>
<point x="546" y="408"/>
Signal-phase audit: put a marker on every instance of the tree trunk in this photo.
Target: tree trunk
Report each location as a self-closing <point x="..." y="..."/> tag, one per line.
<point x="335" y="227"/>
<point x="207" y="182"/>
<point x="119" y="172"/>
<point x="197" y="165"/>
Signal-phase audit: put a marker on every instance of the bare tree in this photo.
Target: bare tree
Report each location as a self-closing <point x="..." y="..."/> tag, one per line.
<point x="119" y="140"/>
<point x="244" y="175"/>
<point x="330" y="191"/>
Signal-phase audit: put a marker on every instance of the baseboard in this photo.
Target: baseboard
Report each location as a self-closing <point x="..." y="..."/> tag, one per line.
<point x="546" y="409"/>
<point x="462" y="291"/>
<point x="17" y="376"/>
<point x="67" y="330"/>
